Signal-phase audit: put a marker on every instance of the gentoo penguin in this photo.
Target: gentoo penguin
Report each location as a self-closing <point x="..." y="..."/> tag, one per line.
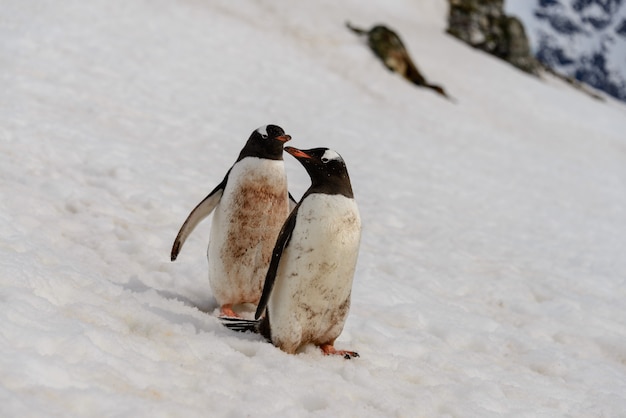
<point x="251" y="204"/>
<point x="387" y="45"/>
<point x="306" y="295"/>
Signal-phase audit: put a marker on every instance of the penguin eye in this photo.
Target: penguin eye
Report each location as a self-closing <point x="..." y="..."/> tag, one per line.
<point x="325" y="160"/>
<point x="263" y="136"/>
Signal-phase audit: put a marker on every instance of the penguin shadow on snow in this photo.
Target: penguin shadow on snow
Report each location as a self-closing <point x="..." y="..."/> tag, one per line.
<point x="135" y="285"/>
<point x="389" y="48"/>
<point x="200" y="315"/>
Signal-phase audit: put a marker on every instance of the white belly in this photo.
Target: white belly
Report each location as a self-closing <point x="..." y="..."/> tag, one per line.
<point x="245" y="226"/>
<point x="311" y="295"/>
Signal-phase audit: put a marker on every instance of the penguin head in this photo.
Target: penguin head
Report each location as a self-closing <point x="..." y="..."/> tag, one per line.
<point x="265" y="142"/>
<point x="326" y="168"/>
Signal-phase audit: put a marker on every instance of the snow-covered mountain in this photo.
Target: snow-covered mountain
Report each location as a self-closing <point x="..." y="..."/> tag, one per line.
<point x="585" y="39"/>
<point x="491" y="277"/>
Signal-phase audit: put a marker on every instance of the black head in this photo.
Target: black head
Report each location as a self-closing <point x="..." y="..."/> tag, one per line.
<point x="326" y="168"/>
<point x="265" y="142"/>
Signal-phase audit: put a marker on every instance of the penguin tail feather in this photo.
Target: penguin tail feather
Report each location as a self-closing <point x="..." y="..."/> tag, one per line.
<point x="241" y="325"/>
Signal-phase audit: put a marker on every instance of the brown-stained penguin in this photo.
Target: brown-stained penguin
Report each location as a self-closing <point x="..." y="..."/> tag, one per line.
<point x="249" y="207"/>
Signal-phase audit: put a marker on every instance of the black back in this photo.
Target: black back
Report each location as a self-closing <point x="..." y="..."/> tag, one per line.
<point x="265" y="142"/>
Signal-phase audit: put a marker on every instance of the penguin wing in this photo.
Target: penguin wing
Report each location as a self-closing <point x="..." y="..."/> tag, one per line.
<point x="281" y="243"/>
<point x="200" y="212"/>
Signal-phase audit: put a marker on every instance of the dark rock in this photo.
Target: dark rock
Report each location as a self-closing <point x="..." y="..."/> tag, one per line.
<point x="484" y="25"/>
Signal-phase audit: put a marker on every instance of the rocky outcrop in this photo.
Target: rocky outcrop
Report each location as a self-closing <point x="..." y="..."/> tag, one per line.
<point x="484" y="25"/>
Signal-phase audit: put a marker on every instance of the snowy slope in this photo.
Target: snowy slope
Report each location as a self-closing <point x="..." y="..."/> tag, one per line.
<point x="491" y="279"/>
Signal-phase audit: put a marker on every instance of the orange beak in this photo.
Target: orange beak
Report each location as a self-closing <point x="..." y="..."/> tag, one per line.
<point x="284" y="138"/>
<point x="297" y="153"/>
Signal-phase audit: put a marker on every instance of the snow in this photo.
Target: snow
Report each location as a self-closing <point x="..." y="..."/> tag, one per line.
<point x="491" y="278"/>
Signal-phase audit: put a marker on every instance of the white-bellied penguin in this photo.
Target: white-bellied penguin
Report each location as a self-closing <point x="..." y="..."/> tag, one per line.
<point x="250" y="205"/>
<point x="306" y="295"/>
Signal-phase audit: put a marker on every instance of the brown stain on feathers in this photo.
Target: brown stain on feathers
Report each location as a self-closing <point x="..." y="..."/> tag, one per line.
<point x="259" y="213"/>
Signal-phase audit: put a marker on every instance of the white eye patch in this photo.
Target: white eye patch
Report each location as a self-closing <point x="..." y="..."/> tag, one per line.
<point x="263" y="131"/>
<point x="330" y="155"/>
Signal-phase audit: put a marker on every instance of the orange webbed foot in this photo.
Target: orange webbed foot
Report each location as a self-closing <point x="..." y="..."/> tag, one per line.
<point x="226" y="311"/>
<point x="329" y="349"/>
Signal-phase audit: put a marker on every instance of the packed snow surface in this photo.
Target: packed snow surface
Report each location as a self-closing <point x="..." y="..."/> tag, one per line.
<point x="491" y="277"/>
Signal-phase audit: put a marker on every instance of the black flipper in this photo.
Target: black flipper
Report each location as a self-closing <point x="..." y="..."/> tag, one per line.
<point x="200" y="212"/>
<point x="281" y="243"/>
